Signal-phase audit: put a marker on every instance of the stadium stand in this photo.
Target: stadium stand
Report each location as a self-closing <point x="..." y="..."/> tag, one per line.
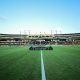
<point x="59" y="39"/>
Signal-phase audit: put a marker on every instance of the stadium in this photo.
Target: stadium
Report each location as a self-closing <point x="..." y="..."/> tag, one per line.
<point x="18" y="62"/>
<point x="39" y="39"/>
<point x="24" y="39"/>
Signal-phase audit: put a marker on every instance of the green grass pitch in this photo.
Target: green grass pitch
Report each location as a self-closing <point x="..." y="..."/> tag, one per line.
<point x="18" y="63"/>
<point x="63" y="63"/>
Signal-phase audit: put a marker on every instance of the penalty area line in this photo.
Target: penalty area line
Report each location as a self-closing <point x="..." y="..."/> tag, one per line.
<point x="42" y="68"/>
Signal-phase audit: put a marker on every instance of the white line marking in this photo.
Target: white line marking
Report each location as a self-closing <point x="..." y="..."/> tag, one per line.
<point x="42" y="67"/>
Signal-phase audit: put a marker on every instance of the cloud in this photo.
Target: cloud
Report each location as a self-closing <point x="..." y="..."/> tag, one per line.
<point x="3" y="18"/>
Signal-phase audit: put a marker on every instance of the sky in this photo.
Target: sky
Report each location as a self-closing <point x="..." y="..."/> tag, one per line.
<point x="39" y="16"/>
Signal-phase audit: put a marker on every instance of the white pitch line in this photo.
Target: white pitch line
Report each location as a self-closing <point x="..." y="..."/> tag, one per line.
<point x="42" y="67"/>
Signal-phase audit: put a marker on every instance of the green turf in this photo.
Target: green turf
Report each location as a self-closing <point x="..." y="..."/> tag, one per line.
<point x="63" y="63"/>
<point x="19" y="64"/>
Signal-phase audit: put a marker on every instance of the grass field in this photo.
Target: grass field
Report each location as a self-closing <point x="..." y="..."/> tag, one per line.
<point x="18" y="63"/>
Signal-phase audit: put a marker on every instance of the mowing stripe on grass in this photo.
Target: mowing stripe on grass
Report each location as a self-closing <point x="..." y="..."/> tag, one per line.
<point x="42" y="67"/>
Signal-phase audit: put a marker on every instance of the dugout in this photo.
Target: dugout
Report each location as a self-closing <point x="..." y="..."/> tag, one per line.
<point x="41" y="48"/>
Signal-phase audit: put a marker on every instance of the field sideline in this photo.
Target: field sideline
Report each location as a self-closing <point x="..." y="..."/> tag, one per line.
<point x="18" y="63"/>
